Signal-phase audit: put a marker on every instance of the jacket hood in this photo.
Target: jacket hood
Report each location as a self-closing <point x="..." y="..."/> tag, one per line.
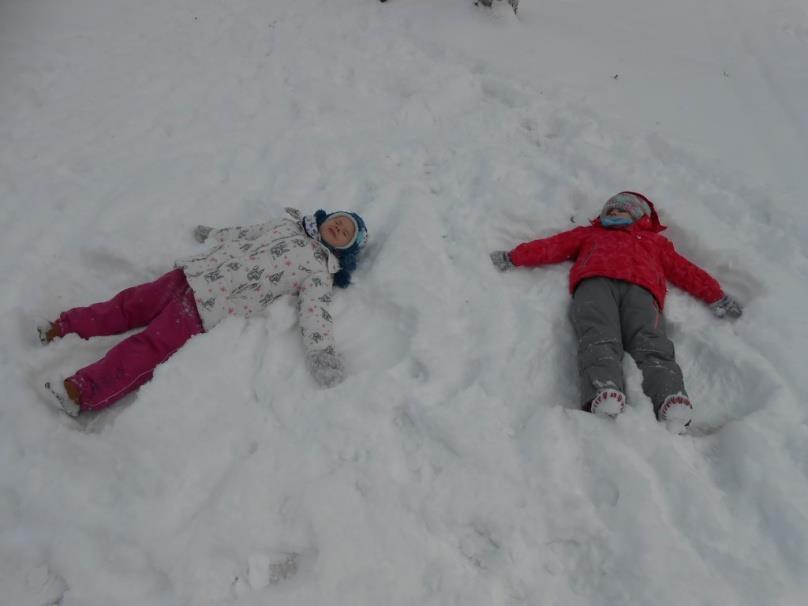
<point x="648" y="223"/>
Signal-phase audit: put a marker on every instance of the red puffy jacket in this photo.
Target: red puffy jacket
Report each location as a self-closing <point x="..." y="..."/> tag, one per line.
<point x="636" y="254"/>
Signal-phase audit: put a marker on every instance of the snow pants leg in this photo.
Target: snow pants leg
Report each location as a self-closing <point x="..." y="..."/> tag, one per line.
<point x="610" y="317"/>
<point x="596" y="317"/>
<point x="644" y="338"/>
<point x="167" y="309"/>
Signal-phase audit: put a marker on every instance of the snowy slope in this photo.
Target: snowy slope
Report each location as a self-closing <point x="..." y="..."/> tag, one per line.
<point x="452" y="467"/>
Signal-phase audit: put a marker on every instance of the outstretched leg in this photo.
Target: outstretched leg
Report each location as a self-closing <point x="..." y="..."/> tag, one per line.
<point x="596" y="319"/>
<point x="130" y="308"/>
<point x="131" y="363"/>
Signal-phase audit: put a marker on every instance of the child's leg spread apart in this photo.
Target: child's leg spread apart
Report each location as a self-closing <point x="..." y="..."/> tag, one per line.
<point x="131" y="308"/>
<point x="596" y="319"/>
<point x="645" y="339"/>
<point x="131" y="363"/>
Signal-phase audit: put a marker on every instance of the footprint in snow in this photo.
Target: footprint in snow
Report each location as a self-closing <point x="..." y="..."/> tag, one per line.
<point x="267" y="570"/>
<point x="481" y="547"/>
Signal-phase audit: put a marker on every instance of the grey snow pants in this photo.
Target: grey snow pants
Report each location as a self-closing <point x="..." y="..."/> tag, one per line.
<point x="610" y="317"/>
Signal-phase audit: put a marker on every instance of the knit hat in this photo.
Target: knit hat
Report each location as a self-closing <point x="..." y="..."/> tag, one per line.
<point x="348" y="254"/>
<point x="632" y="203"/>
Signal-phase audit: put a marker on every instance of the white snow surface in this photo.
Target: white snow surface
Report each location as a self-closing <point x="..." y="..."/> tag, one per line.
<point x="452" y="467"/>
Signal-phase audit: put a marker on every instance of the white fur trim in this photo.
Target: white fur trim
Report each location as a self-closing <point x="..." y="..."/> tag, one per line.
<point x="608" y="402"/>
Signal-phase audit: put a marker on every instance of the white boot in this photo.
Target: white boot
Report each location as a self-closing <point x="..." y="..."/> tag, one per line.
<point x="676" y="412"/>
<point x="609" y="402"/>
<point x="54" y="393"/>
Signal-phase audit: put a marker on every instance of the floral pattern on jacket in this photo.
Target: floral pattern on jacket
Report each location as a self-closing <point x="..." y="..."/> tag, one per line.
<point x="638" y="254"/>
<point x="249" y="267"/>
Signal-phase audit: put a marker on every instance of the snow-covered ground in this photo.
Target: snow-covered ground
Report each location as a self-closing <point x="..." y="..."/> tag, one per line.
<point x="451" y="467"/>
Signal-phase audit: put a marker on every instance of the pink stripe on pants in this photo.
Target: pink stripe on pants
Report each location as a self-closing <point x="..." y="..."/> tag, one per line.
<point x="167" y="309"/>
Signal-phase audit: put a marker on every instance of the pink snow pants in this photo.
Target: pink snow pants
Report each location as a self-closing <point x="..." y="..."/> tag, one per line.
<point x="167" y="309"/>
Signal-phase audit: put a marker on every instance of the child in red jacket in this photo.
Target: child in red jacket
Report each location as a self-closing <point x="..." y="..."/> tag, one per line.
<point x="618" y="286"/>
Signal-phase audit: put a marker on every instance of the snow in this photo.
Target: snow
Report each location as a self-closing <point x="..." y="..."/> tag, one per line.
<point x="452" y="466"/>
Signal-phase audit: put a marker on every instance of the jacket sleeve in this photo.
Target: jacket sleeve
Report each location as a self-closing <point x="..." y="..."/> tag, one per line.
<point x="250" y="232"/>
<point x="690" y="277"/>
<point x="314" y="303"/>
<point x="557" y="248"/>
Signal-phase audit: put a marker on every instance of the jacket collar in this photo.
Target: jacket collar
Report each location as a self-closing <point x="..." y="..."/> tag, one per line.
<point x="333" y="262"/>
<point x="309" y="227"/>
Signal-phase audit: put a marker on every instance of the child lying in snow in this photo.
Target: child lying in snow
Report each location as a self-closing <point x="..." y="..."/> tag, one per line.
<point x="247" y="269"/>
<point x="618" y="286"/>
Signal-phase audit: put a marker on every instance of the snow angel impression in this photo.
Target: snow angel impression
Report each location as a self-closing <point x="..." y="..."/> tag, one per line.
<point x="246" y="269"/>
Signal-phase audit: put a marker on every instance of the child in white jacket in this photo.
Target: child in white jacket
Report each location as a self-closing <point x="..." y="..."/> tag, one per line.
<point x="246" y="269"/>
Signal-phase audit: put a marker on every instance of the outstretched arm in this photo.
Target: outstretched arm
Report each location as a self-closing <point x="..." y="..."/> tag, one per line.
<point x="317" y="328"/>
<point x="693" y="279"/>
<point x="557" y="248"/>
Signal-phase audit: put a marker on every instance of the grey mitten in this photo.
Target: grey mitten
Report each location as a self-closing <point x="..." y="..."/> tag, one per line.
<point x="501" y="260"/>
<point x="727" y="307"/>
<point x="202" y="232"/>
<point x="326" y="367"/>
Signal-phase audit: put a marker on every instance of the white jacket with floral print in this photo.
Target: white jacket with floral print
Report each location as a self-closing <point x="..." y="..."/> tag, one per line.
<point x="252" y="266"/>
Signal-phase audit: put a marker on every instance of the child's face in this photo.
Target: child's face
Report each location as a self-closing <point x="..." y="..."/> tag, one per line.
<point x="618" y="212"/>
<point x="337" y="231"/>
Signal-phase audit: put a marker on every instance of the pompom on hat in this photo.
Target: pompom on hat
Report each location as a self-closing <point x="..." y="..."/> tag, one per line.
<point x="348" y="254"/>
<point x="634" y="204"/>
